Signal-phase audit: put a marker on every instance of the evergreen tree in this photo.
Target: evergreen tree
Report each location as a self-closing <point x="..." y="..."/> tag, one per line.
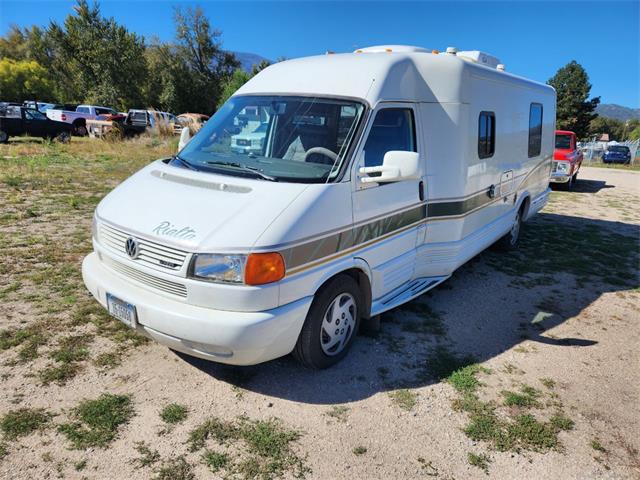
<point x="574" y="111"/>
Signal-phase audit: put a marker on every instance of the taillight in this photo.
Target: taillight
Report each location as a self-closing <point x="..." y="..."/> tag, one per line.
<point x="64" y="117"/>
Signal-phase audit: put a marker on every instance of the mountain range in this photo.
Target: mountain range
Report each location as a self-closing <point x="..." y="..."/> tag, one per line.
<point x="248" y="60"/>
<point x="611" y="110"/>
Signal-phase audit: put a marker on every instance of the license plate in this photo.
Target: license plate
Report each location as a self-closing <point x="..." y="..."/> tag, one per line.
<point x="123" y="311"/>
<point x="242" y="142"/>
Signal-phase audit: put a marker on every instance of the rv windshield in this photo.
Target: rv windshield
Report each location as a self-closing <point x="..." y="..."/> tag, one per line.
<point x="281" y="138"/>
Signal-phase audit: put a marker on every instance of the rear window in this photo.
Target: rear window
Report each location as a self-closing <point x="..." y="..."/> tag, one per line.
<point x="619" y="148"/>
<point x="563" y="141"/>
<point x="10" y="111"/>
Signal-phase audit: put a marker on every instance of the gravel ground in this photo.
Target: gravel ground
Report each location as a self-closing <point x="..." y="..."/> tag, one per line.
<point x="384" y="412"/>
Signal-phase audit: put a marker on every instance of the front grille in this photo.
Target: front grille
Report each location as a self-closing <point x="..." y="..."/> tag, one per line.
<point x="157" y="283"/>
<point x="243" y="142"/>
<point x="150" y="253"/>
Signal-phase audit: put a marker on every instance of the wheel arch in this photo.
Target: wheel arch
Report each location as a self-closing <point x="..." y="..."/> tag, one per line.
<point x="359" y="270"/>
<point x="524" y="202"/>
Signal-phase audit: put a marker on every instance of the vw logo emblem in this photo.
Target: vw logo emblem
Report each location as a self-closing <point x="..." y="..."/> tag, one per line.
<point x="132" y="247"/>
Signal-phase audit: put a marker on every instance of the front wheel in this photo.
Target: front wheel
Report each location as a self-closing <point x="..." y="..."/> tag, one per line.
<point x="331" y="324"/>
<point x="4" y="137"/>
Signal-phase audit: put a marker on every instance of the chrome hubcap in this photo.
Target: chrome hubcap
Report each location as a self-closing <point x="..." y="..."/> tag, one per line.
<point x="338" y="324"/>
<point x="515" y="229"/>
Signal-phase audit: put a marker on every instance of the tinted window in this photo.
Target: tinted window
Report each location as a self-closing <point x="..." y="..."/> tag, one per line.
<point x="392" y="129"/>
<point x="563" y="141"/>
<point x="34" y="115"/>
<point x="82" y="109"/>
<point x="535" y="129"/>
<point x="621" y="149"/>
<point x="486" y="134"/>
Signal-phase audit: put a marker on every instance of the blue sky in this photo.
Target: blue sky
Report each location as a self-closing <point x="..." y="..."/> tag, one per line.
<point x="533" y="39"/>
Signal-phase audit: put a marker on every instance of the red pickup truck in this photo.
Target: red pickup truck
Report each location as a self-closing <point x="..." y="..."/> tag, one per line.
<point x="567" y="159"/>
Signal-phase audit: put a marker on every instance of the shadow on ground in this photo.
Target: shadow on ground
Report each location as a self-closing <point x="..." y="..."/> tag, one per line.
<point x="583" y="186"/>
<point x="490" y="305"/>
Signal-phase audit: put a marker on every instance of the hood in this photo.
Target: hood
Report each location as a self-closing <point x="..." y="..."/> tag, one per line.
<point x="197" y="211"/>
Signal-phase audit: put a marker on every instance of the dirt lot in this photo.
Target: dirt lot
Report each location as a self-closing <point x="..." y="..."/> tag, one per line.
<point x="523" y="365"/>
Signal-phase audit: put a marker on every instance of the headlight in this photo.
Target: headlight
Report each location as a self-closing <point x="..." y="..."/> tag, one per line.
<point x="253" y="269"/>
<point x="219" y="268"/>
<point x="562" y="167"/>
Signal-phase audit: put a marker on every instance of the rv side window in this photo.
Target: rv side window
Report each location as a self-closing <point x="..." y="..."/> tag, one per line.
<point x="535" y="129"/>
<point x="486" y="134"/>
<point x="392" y="129"/>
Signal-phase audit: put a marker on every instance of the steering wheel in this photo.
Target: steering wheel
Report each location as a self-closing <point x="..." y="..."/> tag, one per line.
<point x="321" y="151"/>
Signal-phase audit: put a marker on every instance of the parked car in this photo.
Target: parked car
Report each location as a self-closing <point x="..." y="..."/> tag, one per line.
<point x="138" y="121"/>
<point x="16" y="121"/>
<point x="365" y="195"/>
<point x="617" y="154"/>
<point x="251" y="141"/>
<point x="567" y="159"/>
<point x="194" y="121"/>
<point x="78" y="118"/>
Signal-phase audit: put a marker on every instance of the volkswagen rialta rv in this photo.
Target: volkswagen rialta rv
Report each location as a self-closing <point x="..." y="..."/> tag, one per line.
<point x="363" y="181"/>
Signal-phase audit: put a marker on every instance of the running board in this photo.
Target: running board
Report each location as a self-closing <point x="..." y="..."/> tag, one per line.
<point x="405" y="293"/>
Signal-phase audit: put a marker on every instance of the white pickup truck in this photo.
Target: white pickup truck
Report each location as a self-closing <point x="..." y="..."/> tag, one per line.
<point x="79" y="118"/>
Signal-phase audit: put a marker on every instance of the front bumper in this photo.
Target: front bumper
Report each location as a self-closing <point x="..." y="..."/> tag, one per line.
<point x="560" y="178"/>
<point x="236" y="338"/>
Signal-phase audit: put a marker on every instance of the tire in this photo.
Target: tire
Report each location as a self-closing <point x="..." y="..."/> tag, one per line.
<point x="317" y="347"/>
<point x="4" y="137"/>
<point x="80" y="130"/>
<point x="63" y="137"/>
<point x="510" y="241"/>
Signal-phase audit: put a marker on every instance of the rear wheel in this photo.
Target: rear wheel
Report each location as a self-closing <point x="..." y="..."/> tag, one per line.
<point x="510" y="240"/>
<point x="79" y="129"/>
<point x="331" y="324"/>
<point x="63" y="137"/>
<point x="4" y="137"/>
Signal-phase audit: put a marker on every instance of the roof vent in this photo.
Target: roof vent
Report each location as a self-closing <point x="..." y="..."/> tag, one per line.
<point x="500" y="67"/>
<point x="476" y="56"/>
<point x="452" y="50"/>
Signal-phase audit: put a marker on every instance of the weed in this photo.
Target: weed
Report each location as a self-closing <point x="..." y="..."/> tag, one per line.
<point x="527" y="397"/>
<point x="464" y="380"/>
<point x="72" y="349"/>
<point x="479" y="460"/>
<point x="4" y="451"/>
<point x="548" y="383"/>
<point x="176" y="469"/>
<point x="359" y="450"/>
<point x="405" y="399"/>
<point x="427" y="467"/>
<point x="97" y="421"/>
<point x="80" y="465"/>
<point x="339" y="412"/>
<point x="59" y="374"/>
<point x="442" y="362"/>
<point x="215" y="460"/>
<point x="108" y="360"/>
<point x="173" y="413"/>
<point x="561" y="422"/>
<point x="212" y="428"/>
<point x="596" y="445"/>
<point x="147" y="456"/>
<point x="24" y="421"/>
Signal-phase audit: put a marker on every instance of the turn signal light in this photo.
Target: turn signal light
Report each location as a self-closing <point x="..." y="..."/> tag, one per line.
<point x="263" y="268"/>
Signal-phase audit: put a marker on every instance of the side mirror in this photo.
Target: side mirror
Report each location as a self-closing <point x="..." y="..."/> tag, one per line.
<point x="397" y="165"/>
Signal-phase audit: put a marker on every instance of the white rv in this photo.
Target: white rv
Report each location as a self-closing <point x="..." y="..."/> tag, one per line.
<point x="379" y="173"/>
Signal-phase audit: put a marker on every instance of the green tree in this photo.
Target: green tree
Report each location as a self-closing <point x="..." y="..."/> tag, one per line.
<point x="611" y="126"/>
<point x="205" y="66"/>
<point x="24" y="80"/>
<point x="574" y="109"/>
<point x="239" y="78"/>
<point x="97" y="60"/>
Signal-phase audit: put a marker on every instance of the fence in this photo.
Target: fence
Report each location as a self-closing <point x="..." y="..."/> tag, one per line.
<point x="593" y="151"/>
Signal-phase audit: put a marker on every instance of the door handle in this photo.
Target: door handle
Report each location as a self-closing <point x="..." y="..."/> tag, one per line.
<point x="421" y="190"/>
<point x="492" y="191"/>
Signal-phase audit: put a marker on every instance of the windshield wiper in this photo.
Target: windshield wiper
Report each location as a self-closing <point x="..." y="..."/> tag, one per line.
<point x="255" y="171"/>
<point x="183" y="162"/>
